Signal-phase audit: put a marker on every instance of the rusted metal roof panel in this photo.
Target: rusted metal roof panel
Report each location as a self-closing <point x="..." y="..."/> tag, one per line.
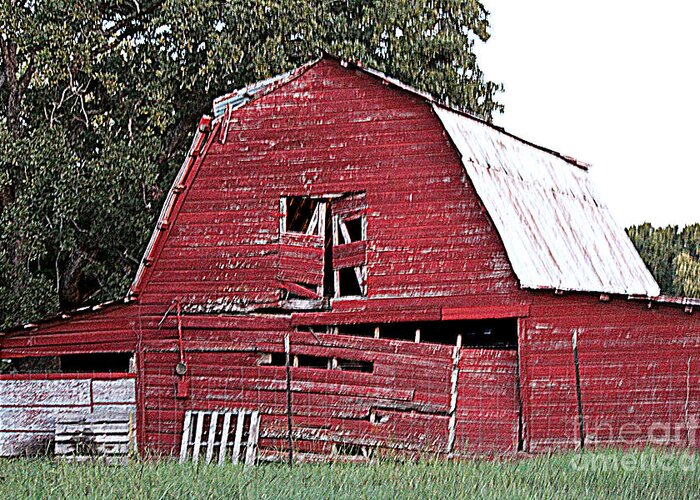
<point x="556" y="230"/>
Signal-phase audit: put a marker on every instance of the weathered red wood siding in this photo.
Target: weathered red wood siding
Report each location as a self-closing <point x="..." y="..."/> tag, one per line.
<point x="487" y="401"/>
<point x="332" y="131"/>
<point x="432" y="254"/>
<point x="114" y="329"/>
<point x="638" y="370"/>
<point x="429" y="245"/>
<point x="404" y="404"/>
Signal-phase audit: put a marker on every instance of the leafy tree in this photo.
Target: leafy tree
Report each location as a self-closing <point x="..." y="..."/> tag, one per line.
<point x="98" y="100"/>
<point x="672" y="255"/>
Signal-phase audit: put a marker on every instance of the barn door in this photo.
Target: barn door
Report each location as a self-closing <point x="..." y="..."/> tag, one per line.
<point x="301" y="251"/>
<point x="487" y="401"/>
<point x="350" y="245"/>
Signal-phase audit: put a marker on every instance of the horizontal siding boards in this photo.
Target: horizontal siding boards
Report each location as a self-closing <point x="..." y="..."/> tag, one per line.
<point x="427" y="235"/>
<point x="403" y="404"/>
<point x="637" y="369"/>
<point x="111" y="329"/>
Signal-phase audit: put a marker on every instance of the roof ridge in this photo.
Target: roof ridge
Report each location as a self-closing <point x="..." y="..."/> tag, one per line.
<point x="255" y="90"/>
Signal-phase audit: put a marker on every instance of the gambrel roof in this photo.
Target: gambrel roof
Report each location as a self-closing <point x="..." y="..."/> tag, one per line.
<point x="557" y="232"/>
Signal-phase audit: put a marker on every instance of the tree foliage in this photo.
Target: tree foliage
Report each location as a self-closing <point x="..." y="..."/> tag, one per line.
<point x="98" y="99"/>
<point x="672" y="255"/>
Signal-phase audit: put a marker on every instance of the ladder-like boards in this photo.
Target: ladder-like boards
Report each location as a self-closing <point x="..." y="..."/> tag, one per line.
<point x="227" y="435"/>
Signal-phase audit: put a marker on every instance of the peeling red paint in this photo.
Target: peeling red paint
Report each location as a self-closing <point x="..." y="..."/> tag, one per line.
<point x="432" y="256"/>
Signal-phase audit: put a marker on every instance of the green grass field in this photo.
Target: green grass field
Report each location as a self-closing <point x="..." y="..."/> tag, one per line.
<point x="634" y="474"/>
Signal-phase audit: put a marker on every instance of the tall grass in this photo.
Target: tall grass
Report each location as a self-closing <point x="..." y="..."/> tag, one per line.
<point x="630" y="474"/>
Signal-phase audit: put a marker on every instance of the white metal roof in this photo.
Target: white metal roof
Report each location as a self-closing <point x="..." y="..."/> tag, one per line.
<point x="556" y="230"/>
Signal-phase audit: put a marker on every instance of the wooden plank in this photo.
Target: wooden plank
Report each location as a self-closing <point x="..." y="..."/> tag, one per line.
<point x="186" y="430"/>
<point x="198" y="436"/>
<point x="225" y="429"/>
<point x="212" y="435"/>
<point x="252" y="445"/>
<point x="235" y="455"/>
<point x="299" y="290"/>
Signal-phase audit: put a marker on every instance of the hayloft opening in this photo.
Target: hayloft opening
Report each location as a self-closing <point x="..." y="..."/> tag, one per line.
<point x="322" y="254"/>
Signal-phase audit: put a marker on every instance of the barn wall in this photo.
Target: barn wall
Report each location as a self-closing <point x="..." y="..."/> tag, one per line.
<point x="638" y="372"/>
<point x="404" y="404"/>
<point x="330" y="131"/>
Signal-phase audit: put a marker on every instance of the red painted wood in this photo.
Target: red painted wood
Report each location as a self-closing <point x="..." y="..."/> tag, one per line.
<point x="432" y="254"/>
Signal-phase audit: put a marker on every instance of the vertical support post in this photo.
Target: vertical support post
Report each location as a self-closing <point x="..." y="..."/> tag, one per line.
<point x="283" y="215"/>
<point x="519" y="390"/>
<point x="689" y="434"/>
<point x="581" y="430"/>
<point x="376" y="332"/>
<point x="417" y="339"/>
<point x="452" y="425"/>
<point x="288" y="371"/>
<point x="336" y="241"/>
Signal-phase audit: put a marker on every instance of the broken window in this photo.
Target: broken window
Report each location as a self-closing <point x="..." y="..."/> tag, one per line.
<point x="302" y="249"/>
<point x="350" y="246"/>
<point x="302" y="215"/>
<point x="322" y="249"/>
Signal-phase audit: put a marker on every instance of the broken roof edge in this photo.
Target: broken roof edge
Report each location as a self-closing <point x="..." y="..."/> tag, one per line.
<point x="66" y="315"/>
<point x="256" y="90"/>
<point x="202" y="138"/>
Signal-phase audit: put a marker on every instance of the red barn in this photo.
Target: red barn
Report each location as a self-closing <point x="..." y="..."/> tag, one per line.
<point x="345" y="266"/>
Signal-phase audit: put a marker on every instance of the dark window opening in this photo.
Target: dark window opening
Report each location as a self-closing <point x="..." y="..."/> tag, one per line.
<point x="400" y="331"/>
<point x="348" y="283"/>
<point x="273" y="359"/>
<point x="355" y="365"/>
<point x="487" y="334"/>
<point x="357" y="330"/>
<point x="304" y="361"/>
<point x="318" y="362"/>
<point x="113" y="362"/>
<point x="354" y="227"/>
<point x="300" y="212"/>
<point x="87" y="363"/>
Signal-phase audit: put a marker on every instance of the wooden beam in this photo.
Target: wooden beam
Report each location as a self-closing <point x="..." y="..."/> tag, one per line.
<point x="186" y="430"/>
<point x="225" y="429"/>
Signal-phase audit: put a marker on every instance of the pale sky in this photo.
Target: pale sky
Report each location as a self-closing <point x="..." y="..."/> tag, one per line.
<point x="613" y="83"/>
